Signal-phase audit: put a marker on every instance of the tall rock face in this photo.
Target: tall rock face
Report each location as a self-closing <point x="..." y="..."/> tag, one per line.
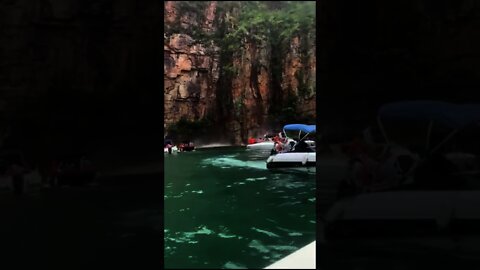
<point x="250" y="89"/>
<point x="191" y="73"/>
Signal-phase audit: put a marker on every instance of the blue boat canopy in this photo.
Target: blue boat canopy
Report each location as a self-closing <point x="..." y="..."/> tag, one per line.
<point x="301" y="127"/>
<point x="448" y="114"/>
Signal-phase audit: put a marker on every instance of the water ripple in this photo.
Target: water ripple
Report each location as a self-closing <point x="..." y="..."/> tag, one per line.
<point x="256" y="244"/>
<point x="271" y="234"/>
<point x="229" y="161"/>
<point x="232" y="265"/>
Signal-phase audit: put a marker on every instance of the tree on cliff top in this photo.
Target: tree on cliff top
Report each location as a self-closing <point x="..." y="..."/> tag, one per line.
<point x="277" y="21"/>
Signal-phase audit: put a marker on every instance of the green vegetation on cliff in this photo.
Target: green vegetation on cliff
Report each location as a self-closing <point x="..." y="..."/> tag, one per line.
<point x="278" y="35"/>
<point x="259" y="20"/>
<point x="273" y="24"/>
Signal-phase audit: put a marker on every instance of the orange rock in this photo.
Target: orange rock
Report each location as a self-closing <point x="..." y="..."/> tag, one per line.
<point x="183" y="63"/>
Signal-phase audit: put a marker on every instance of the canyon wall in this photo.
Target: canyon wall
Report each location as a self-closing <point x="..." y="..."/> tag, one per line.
<point x="256" y="87"/>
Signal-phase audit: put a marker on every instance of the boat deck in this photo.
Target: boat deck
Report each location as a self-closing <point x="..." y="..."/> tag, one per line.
<point x="303" y="258"/>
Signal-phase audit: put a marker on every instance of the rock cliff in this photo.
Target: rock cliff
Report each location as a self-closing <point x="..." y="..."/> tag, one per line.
<point x="243" y="84"/>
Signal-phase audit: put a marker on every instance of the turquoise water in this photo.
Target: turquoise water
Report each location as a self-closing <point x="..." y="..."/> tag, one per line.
<point x="224" y="209"/>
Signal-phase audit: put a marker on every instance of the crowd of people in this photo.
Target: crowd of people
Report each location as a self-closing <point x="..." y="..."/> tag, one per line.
<point x="181" y="147"/>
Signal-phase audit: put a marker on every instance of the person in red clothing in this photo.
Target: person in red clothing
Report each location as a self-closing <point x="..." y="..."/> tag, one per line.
<point x="251" y="140"/>
<point x="278" y="146"/>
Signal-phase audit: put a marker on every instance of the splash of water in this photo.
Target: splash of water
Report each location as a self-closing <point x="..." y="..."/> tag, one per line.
<point x="212" y="145"/>
<point x="233" y="162"/>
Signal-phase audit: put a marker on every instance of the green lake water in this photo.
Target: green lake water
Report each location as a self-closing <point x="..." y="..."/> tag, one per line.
<point x="224" y="209"/>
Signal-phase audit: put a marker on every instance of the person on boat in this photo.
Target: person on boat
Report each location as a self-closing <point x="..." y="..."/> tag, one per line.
<point x="277" y="148"/>
<point x="251" y="140"/>
<point x="291" y="145"/>
<point x="169" y="147"/>
<point x="302" y="146"/>
<point x="273" y="151"/>
<point x="278" y="145"/>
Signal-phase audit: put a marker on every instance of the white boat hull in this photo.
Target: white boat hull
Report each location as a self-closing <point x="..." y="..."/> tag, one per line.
<point x="303" y="258"/>
<point x="261" y="146"/>
<point x="269" y="145"/>
<point x="174" y="149"/>
<point x="293" y="160"/>
<point x="310" y="143"/>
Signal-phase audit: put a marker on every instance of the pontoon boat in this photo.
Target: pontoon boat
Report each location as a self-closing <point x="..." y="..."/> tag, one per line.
<point x="301" y="156"/>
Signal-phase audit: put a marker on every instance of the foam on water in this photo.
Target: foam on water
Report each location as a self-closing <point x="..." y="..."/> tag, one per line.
<point x="222" y="235"/>
<point x="271" y="234"/>
<point x="225" y="233"/>
<point x="271" y="220"/>
<point x="283" y="248"/>
<point x="239" y="183"/>
<point x="232" y="265"/>
<point x="186" y="237"/>
<point x="250" y="179"/>
<point x="228" y="177"/>
<point x="284" y="229"/>
<point x="212" y="145"/>
<point x="203" y="230"/>
<point x="289" y="203"/>
<point x="181" y="239"/>
<point x="287" y="183"/>
<point x="256" y="244"/>
<point x="230" y="161"/>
